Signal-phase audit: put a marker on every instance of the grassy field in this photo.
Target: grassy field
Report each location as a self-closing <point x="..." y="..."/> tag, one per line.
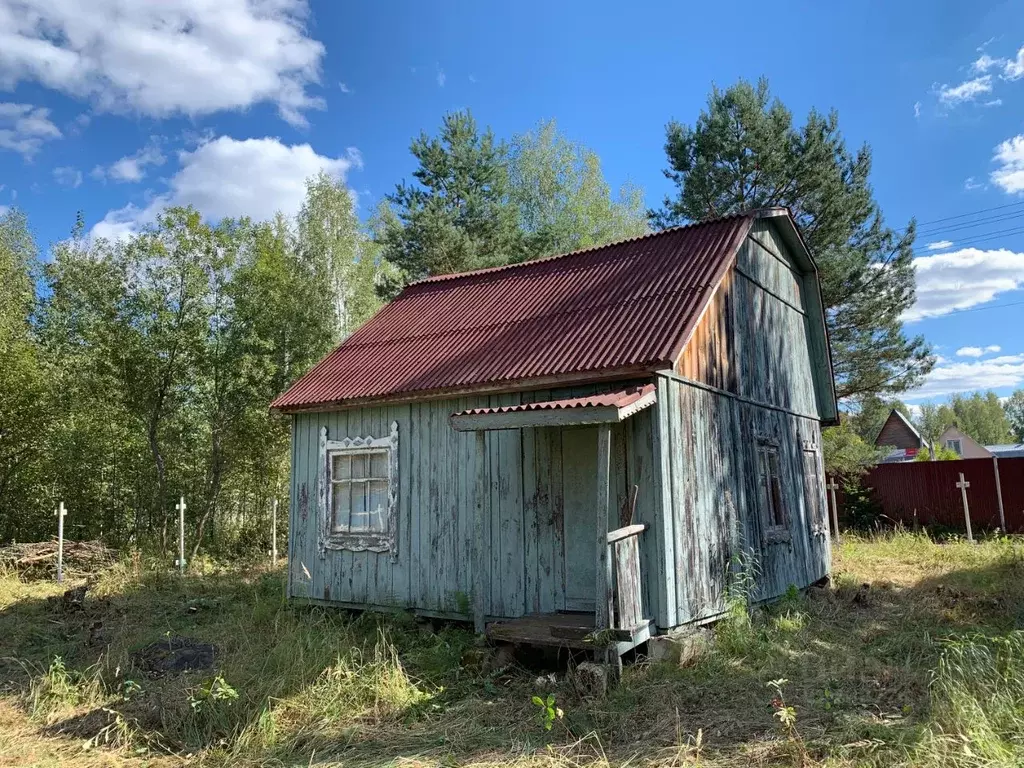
<point x="914" y="658"/>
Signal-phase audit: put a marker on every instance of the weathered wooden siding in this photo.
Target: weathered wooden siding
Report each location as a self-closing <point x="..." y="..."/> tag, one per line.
<point x="746" y="376"/>
<point x="710" y="353"/>
<point x="537" y="479"/>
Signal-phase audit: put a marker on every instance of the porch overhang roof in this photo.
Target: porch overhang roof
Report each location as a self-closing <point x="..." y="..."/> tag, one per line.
<point x="604" y="408"/>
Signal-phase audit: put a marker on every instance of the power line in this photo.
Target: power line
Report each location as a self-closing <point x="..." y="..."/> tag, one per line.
<point x="975" y="309"/>
<point x="981" y="238"/>
<point x="925" y="224"/>
<point x="971" y="224"/>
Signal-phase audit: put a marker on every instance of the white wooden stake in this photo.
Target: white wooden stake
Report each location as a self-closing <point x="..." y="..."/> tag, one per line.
<point x="180" y="562"/>
<point x="273" y="534"/>
<point x="60" y="512"/>
<point x="963" y="485"/>
<point x="832" y="486"/>
<point x="999" y="494"/>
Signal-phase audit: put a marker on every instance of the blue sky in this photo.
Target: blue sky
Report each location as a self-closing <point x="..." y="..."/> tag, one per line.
<point x="127" y="106"/>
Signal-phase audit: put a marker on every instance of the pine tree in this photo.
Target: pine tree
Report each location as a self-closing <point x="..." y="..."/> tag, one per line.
<point x="744" y="152"/>
<point x="456" y="216"/>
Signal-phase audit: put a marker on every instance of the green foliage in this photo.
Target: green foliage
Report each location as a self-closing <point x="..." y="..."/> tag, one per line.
<point x="562" y="200"/>
<point x="860" y="510"/>
<point x="480" y="203"/>
<point x="744" y="152"/>
<point x="455" y="217"/>
<point x="548" y="713"/>
<point x="24" y="408"/>
<point x="941" y="453"/>
<point x="146" y="368"/>
<point x="210" y="692"/>
<point x="846" y="453"/>
<point x="978" y="415"/>
<point x="1014" y="407"/>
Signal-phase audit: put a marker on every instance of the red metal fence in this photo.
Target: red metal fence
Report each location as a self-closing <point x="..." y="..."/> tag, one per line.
<point x="928" y="490"/>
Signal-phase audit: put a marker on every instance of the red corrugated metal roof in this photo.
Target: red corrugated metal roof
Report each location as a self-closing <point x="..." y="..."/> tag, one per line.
<point x="620" y="398"/>
<point x="616" y="309"/>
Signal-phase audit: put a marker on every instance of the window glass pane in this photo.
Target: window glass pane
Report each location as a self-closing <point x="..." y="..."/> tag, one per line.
<point x="342" y="467"/>
<point x="341" y="503"/>
<point x="379" y="465"/>
<point x="358" y="516"/>
<point x="377" y="505"/>
<point x="359" y="465"/>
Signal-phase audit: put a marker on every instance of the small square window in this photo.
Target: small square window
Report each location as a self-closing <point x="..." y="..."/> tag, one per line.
<point x="956" y="445"/>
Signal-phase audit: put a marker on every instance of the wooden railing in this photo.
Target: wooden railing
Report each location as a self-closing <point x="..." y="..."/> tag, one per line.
<point x="624" y="555"/>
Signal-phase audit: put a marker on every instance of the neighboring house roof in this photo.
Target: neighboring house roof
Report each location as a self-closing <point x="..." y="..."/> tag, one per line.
<point x="1007" y="451"/>
<point x="602" y="313"/>
<point x="901" y="455"/>
<point x="969" y="447"/>
<point x="898" y="432"/>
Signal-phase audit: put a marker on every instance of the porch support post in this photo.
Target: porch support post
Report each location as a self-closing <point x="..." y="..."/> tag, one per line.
<point x="479" y="550"/>
<point x="603" y="603"/>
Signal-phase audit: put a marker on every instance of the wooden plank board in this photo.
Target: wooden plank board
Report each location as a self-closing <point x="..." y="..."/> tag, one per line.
<point x="627" y="581"/>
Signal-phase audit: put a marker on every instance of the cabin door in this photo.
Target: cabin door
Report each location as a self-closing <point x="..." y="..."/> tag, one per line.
<point x="579" y="494"/>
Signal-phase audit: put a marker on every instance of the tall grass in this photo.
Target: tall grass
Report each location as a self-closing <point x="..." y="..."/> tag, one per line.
<point x="978" y="703"/>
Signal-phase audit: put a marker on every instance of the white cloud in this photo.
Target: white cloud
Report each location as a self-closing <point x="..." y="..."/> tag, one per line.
<point x="977" y="351"/>
<point x="227" y="177"/>
<point x="189" y="57"/>
<point x="355" y="157"/>
<point x="441" y="77"/>
<point x="939" y="245"/>
<point x="67" y="176"/>
<point x="993" y="103"/>
<point x="132" y="168"/>
<point x="917" y="109"/>
<point x="23" y="127"/>
<point x="344" y="88"/>
<point x="964" y="278"/>
<point x="970" y="183"/>
<point x="985" y="62"/>
<point x="1009" y="176"/>
<point x="996" y="372"/>
<point x="4" y="209"/>
<point x="951" y="95"/>
<point x="1013" y="69"/>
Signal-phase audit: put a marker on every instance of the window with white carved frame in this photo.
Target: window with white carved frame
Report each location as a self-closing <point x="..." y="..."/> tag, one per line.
<point x="775" y="516"/>
<point x="359" y="492"/>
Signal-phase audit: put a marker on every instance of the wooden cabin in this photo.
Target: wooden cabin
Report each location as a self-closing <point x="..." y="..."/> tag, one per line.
<point x="898" y="434"/>
<point x="575" y="447"/>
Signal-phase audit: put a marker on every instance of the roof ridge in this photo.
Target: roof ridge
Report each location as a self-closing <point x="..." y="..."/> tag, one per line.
<point x="753" y="213"/>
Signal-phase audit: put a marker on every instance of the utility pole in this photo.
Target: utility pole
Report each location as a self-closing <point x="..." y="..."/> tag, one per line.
<point x="60" y="512"/>
<point x="963" y="485"/>
<point x="180" y="562"/>
<point x="999" y="494"/>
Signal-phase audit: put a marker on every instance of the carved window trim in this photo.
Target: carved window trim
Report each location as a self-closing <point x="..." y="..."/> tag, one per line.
<point x="357" y="541"/>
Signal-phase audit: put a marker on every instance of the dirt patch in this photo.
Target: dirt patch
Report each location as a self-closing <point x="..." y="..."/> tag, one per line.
<point x="174" y="656"/>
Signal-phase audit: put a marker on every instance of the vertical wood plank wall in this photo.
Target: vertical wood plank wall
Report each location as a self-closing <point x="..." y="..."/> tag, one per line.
<point x="528" y="492"/>
<point x="756" y="343"/>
